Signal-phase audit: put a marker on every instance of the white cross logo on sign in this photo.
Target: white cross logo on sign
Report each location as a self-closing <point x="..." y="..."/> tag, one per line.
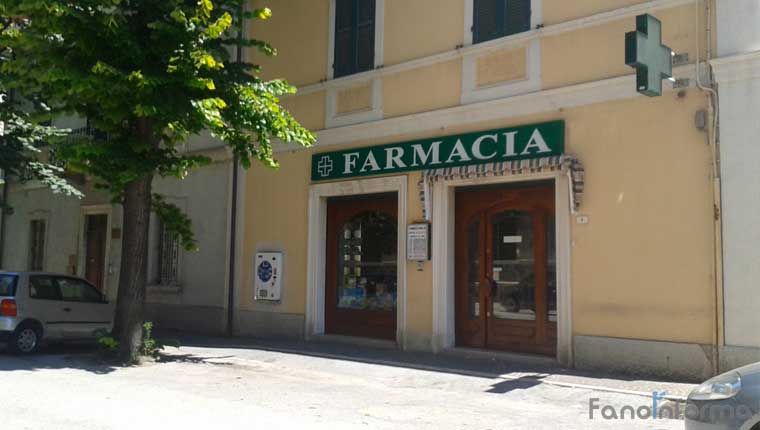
<point x="325" y="166"/>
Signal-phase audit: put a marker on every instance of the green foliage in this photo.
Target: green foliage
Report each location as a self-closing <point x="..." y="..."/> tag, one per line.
<point x="151" y="347"/>
<point x="149" y="74"/>
<point x="22" y="141"/>
<point x="175" y="221"/>
<point x="108" y="344"/>
<point x="23" y="137"/>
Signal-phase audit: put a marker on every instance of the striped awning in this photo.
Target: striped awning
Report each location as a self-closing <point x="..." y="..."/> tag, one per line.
<point x="567" y="164"/>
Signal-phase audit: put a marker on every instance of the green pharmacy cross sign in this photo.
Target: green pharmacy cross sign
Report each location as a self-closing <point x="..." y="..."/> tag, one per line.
<point x="645" y="52"/>
<point x="501" y="145"/>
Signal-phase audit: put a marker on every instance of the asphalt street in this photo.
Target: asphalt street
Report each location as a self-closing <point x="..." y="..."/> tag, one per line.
<point x="234" y="388"/>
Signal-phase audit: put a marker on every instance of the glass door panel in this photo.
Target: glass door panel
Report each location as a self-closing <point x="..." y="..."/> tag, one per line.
<point x="551" y="270"/>
<point x="367" y="262"/>
<point x="513" y="266"/>
<point x="473" y="270"/>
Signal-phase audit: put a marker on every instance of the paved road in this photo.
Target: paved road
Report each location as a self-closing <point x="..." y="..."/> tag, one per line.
<point x="202" y="388"/>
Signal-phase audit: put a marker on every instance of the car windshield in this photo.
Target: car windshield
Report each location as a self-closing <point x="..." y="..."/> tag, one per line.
<point x="7" y="285"/>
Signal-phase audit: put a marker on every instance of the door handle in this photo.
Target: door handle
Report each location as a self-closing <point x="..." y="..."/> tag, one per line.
<point x="494" y="288"/>
<point x="67" y="309"/>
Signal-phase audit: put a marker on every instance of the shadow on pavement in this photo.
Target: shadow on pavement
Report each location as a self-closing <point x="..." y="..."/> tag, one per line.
<point x="84" y="356"/>
<point x="79" y="356"/>
<point x="195" y="359"/>
<point x="506" y="386"/>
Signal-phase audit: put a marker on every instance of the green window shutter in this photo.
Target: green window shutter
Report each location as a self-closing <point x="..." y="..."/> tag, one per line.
<point x="517" y="16"/>
<point x="487" y="23"/>
<point x="354" y="36"/>
<point x="365" y="34"/>
<point x="498" y="18"/>
<point x="344" y="37"/>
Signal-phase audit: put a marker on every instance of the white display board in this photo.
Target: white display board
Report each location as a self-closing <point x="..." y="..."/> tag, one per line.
<point x="268" y="276"/>
<point x="418" y="242"/>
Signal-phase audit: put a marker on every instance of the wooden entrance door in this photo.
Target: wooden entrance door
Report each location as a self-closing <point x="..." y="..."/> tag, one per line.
<point x="361" y="273"/>
<point x="96" y="230"/>
<point x="506" y="269"/>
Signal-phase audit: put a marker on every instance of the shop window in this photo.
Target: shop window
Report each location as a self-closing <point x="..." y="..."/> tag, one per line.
<point x="36" y="244"/>
<point x="167" y="257"/>
<point x="367" y="260"/>
<point x="354" y="37"/>
<point x="498" y="18"/>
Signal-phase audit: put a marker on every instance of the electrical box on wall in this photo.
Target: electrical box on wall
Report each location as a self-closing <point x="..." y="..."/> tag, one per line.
<point x="268" y="276"/>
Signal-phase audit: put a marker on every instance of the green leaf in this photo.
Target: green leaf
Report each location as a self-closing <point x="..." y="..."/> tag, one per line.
<point x="262" y="13"/>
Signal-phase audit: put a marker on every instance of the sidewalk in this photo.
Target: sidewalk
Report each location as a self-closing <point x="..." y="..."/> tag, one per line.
<point x="459" y="361"/>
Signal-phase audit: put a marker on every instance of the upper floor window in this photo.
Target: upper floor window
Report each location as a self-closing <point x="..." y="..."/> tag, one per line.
<point x="354" y="36"/>
<point x="167" y="257"/>
<point x="498" y="18"/>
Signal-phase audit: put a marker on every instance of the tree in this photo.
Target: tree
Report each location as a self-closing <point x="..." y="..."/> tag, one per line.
<point x="149" y="74"/>
<point x="22" y="139"/>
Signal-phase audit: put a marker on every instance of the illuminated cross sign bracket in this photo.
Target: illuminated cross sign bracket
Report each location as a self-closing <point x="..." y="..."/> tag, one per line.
<point x="645" y="52"/>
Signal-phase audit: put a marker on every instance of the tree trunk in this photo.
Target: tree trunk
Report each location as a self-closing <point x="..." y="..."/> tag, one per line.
<point x="132" y="276"/>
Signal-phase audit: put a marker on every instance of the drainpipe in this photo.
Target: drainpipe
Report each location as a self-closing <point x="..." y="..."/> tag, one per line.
<point x="234" y="206"/>
<point x="3" y="213"/>
<point x="713" y="142"/>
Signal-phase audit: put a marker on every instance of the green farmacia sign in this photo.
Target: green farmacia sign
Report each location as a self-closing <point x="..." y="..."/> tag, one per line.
<point x="506" y="144"/>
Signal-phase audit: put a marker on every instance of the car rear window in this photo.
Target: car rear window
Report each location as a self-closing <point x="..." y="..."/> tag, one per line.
<point x="8" y="285"/>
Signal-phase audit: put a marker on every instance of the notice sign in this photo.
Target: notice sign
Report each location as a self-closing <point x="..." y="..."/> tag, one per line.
<point x="506" y="144"/>
<point x="418" y="242"/>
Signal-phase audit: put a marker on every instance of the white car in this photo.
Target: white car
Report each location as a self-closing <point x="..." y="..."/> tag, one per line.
<point x="36" y="306"/>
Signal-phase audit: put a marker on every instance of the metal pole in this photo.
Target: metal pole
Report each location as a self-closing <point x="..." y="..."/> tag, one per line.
<point x="234" y="205"/>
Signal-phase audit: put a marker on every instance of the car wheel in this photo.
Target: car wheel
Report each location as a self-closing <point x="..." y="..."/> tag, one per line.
<point x="25" y="340"/>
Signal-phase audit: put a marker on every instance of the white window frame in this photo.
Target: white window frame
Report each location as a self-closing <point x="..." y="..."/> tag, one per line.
<point x="154" y="252"/>
<point x="471" y="93"/>
<point x="332" y="118"/>
<point x="536" y="18"/>
<point x="443" y="234"/>
<point x="161" y="233"/>
<point x="379" y="30"/>
<point x="44" y="216"/>
<point x="317" y="254"/>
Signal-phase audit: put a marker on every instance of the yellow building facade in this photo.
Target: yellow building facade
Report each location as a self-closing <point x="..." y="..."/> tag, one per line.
<point x="601" y="254"/>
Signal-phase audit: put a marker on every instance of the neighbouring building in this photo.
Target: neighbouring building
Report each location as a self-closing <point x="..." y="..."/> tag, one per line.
<point x="737" y="74"/>
<point x="567" y="215"/>
<point x="186" y="290"/>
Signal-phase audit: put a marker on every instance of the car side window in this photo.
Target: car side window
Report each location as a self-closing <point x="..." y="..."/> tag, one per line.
<point x="75" y="290"/>
<point x="43" y="287"/>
